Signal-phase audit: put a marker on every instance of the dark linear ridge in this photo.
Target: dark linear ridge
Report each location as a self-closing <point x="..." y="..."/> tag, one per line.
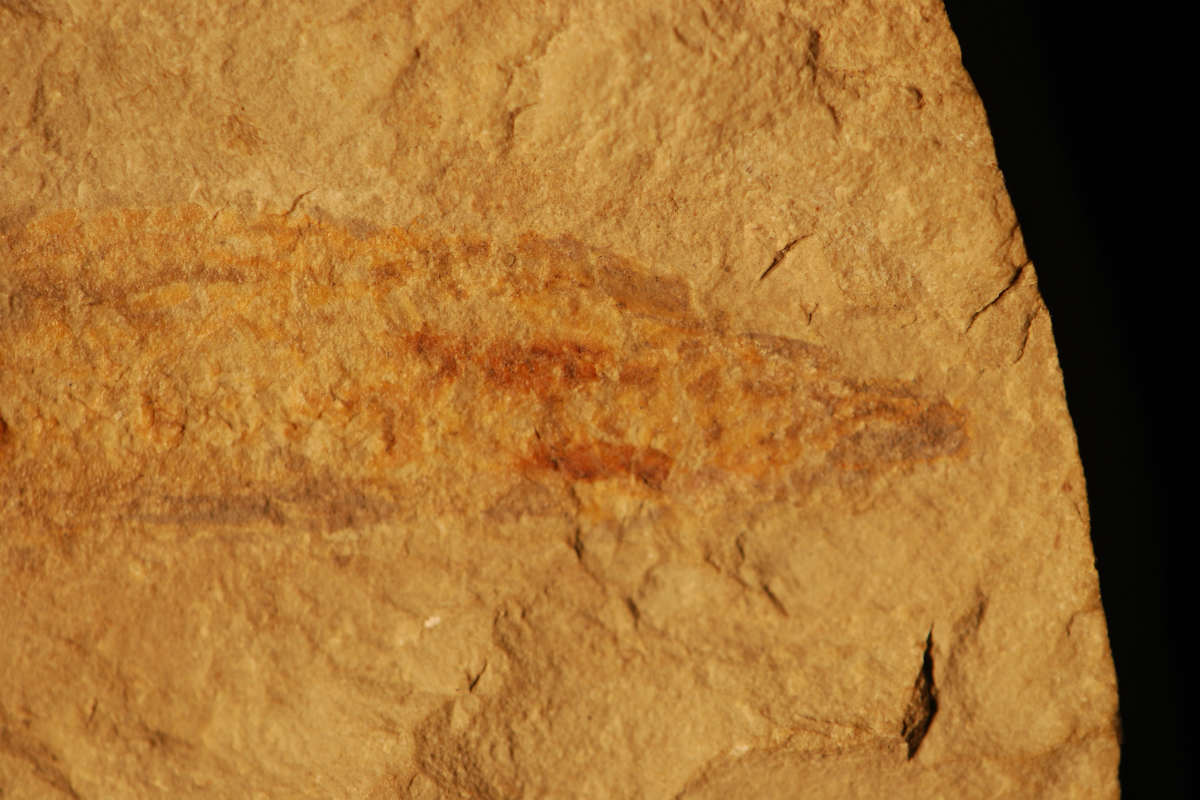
<point x="923" y="705"/>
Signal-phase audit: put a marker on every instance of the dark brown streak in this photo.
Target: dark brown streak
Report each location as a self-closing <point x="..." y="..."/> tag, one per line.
<point x="296" y="202"/>
<point x="779" y="256"/>
<point x="577" y="543"/>
<point x="779" y="606"/>
<point x="634" y="611"/>
<point x="923" y="705"/>
<point x="475" y="680"/>
<point x="683" y="41"/>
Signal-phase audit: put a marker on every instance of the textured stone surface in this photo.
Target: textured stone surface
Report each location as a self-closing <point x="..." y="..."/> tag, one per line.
<point x="455" y="400"/>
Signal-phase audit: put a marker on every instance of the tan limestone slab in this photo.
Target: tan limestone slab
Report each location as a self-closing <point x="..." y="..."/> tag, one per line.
<point x="522" y="400"/>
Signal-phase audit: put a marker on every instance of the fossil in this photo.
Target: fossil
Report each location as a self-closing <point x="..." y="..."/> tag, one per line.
<point x="541" y="358"/>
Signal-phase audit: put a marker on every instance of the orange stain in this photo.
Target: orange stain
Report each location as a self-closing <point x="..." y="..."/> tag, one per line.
<point x="372" y="351"/>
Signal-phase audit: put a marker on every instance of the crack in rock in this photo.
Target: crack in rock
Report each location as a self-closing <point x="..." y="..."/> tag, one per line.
<point x="922" y="705"/>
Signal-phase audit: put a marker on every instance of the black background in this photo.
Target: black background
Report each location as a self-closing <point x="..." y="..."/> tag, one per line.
<point x="1089" y="137"/>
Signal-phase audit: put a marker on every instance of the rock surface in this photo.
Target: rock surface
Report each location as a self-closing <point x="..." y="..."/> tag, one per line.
<point x="539" y="399"/>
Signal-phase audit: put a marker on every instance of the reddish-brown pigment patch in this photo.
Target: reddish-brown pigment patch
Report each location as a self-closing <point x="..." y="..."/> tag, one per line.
<point x="233" y="364"/>
<point x="598" y="459"/>
<point x="541" y="367"/>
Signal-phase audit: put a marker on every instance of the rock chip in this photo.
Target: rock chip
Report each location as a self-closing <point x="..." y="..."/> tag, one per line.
<point x="528" y="400"/>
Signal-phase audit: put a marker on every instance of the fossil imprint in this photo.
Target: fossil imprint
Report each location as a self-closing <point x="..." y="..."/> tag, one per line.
<point x="395" y="354"/>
